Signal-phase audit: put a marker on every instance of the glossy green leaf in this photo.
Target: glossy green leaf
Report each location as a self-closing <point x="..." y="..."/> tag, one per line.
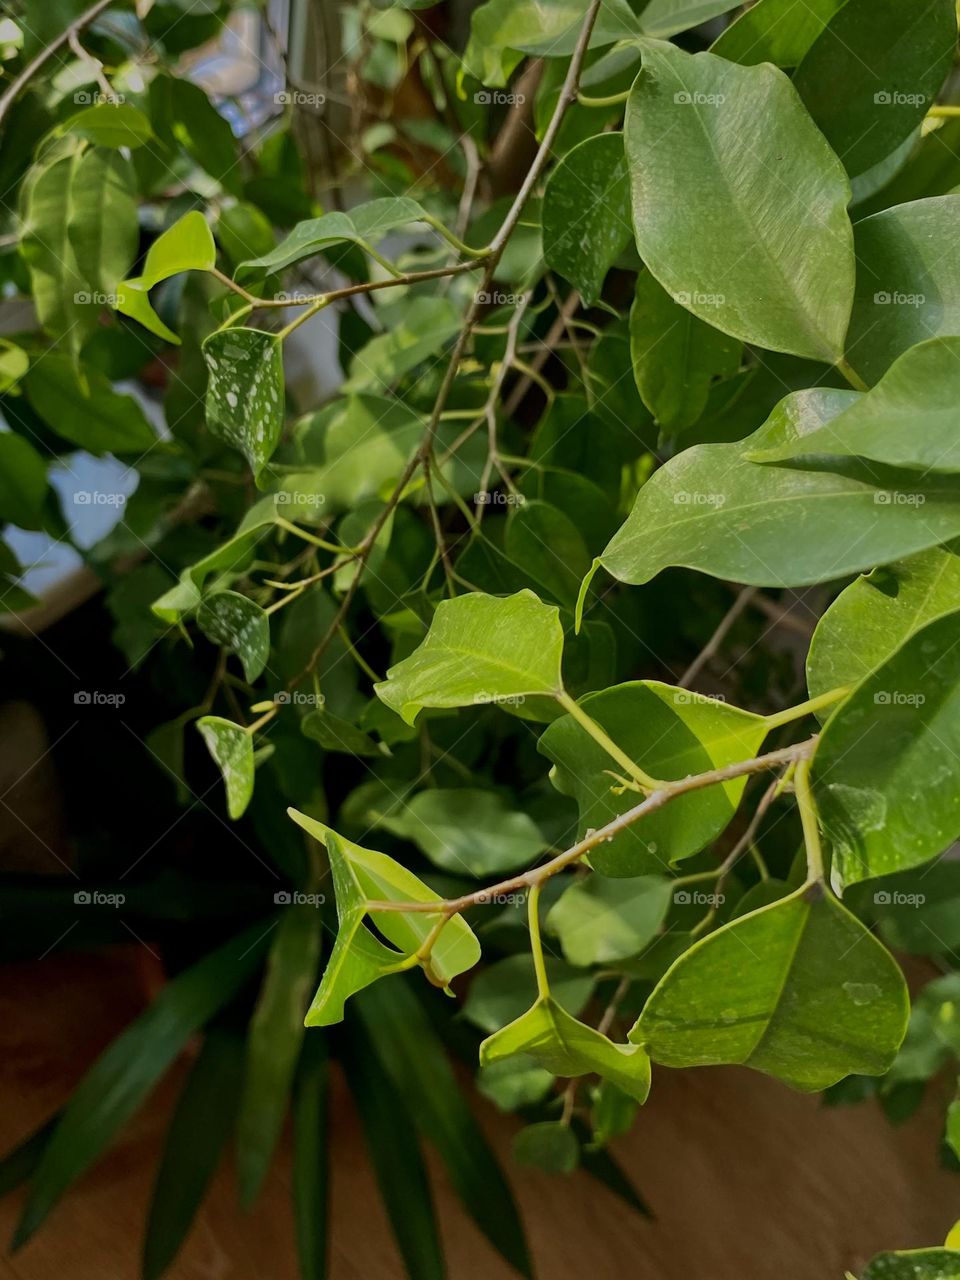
<point x="502" y="30"/>
<point x="273" y="1043"/>
<point x="613" y="1113"/>
<point x="414" y="1056"/>
<point x="800" y="990"/>
<point x="503" y="991"/>
<point x="231" y="556"/>
<point x="601" y="921"/>
<point x="669" y="733"/>
<point x="768" y="262"/>
<point x="465" y="830"/>
<point x="245" y="391"/>
<point x="777" y="31"/>
<point x="103" y="227"/>
<point x="909" y="419"/>
<point x="887" y="770"/>
<point x="110" y="124"/>
<point x="712" y="509"/>
<point x="238" y="623"/>
<point x="665" y="18"/>
<point x="359" y="958"/>
<point x="85" y="409"/>
<point x="132" y="299"/>
<point x="908" y="282"/>
<point x="123" y="1075"/>
<point x="244" y="229"/>
<point x="917" y="1264"/>
<point x="676" y="356"/>
<point x="550" y="1146"/>
<point x="14" y="363"/>
<point x="566" y="1047"/>
<point x="333" y="733"/>
<point x="395" y="1154"/>
<point x="23" y="482"/>
<point x="232" y="750"/>
<point x="197" y="1135"/>
<point x="873" y="73"/>
<point x="186" y="246"/>
<point x="479" y="649"/>
<point x="363" y="225"/>
<point x="877" y="614"/>
<point x="514" y="1083"/>
<point x="311" y="1158"/>
<point x="586" y="213"/>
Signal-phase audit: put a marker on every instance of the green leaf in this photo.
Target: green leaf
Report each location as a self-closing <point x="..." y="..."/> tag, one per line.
<point x="777" y="31"/>
<point x="232" y="751"/>
<point x="479" y="649"/>
<point x="802" y="526"/>
<point x="23" y="482"/>
<point x="359" y="958"/>
<point x="245" y="392"/>
<point x="231" y="556"/>
<point x="676" y="356"/>
<point x="665" y="18"/>
<point x="909" y="419"/>
<point x="916" y="1264"/>
<point x="103" y="228"/>
<point x="132" y="300"/>
<point x="550" y="547"/>
<point x="601" y="921"/>
<point x="396" y="1158"/>
<point x="243" y="229"/>
<point x="14" y="363"/>
<point x="613" y="1113"/>
<point x="273" y="1044"/>
<point x="336" y="734"/>
<point x="201" y="1123"/>
<point x="311" y="1158"/>
<point x="502" y="30"/>
<point x="238" y="623"/>
<point x="414" y="1056"/>
<point x="85" y="409"/>
<point x="186" y="117"/>
<point x="908" y="282"/>
<point x="363" y="225"/>
<point x="887" y="769"/>
<point x="768" y="262"/>
<point x="550" y="1146"/>
<point x="566" y="1047"/>
<point x="503" y="991"/>
<point x="465" y="830"/>
<point x="514" y="1083"/>
<point x="186" y="246"/>
<point x="877" y="614"/>
<point x="124" y="1074"/>
<point x="110" y="124"/>
<point x="586" y="213"/>
<point x="800" y="990"/>
<point x="424" y="329"/>
<point x="670" y="733"/>
<point x="873" y="73"/>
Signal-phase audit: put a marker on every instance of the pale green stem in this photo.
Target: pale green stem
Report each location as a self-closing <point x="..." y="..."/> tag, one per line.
<point x="808" y="817"/>
<point x="536" y="945"/>
<point x="807" y="708"/>
<point x="612" y="100"/>
<point x="315" y="541"/>
<point x="602" y="738"/>
<point x="851" y="375"/>
<point x="251" y="729"/>
<point x="306" y="314"/>
<point x="455" y="240"/>
<point x="944" y="112"/>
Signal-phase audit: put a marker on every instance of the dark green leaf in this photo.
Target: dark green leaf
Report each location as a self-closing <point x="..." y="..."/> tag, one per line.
<point x="549" y="1146"/>
<point x="85" y="409"/>
<point x="245" y="393"/>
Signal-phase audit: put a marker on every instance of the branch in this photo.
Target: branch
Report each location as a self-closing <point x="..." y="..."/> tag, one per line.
<point x="669" y="791"/>
<point x="30" y="70"/>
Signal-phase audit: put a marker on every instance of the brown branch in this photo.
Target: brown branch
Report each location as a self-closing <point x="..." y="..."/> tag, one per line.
<point x="716" y="640"/>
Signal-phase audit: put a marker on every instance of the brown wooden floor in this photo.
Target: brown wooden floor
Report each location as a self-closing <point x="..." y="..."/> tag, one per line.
<point x="748" y="1180"/>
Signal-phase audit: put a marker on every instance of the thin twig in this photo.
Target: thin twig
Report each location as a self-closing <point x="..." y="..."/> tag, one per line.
<point x="11" y="94"/>
<point x="710" y="649"/>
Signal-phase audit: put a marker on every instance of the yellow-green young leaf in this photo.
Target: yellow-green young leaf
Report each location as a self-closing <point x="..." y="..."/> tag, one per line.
<point x="236" y="621"/>
<point x="245" y="391"/>
<point x="878" y="613"/>
<point x="601" y="921"/>
<point x="232" y="750"/>
<point x="103" y="227"/>
<point x="586" y="213"/>
<point x="711" y="508"/>
<point x="23" y="482"/>
<point x="479" y="649"/>
<point x="361" y="876"/>
<point x="111" y="125"/>
<point x="908" y="281"/>
<point x="908" y="420"/>
<point x="14" y="363"/>
<point x="777" y="31"/>
<point x="887" y="769"/>
<point x="769" y="261"/>
<point x="670" y="733"/>
<point x="915" y="1264"/>
<point x="186" y="246"/>
<point x="85" y="409"/>
<point x="566" y="1047"/>
<point x="665" y="18"/>
<point x="873" y="73"/>
<point x="550" y="1146"/>
<point x="800" y="990"/>
<point x="676" y="356"/>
